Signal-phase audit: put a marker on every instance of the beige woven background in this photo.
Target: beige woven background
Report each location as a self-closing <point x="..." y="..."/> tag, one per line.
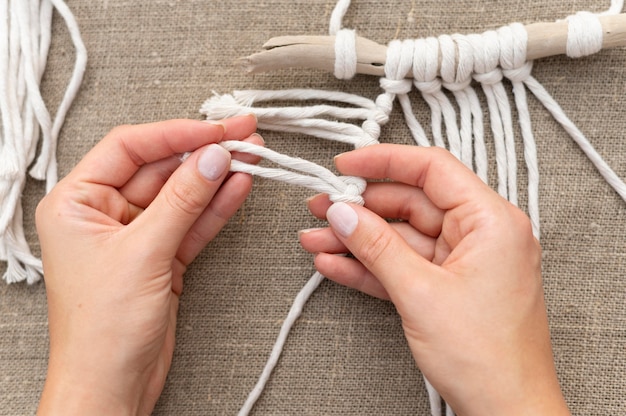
<point x="158" y="59"/>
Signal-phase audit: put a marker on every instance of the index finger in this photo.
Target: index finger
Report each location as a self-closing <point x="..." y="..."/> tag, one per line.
<point x="444" y="179"/>
<point x="117" y="157"/>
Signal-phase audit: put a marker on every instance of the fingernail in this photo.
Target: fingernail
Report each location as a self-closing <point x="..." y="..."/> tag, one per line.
<point x="308" y="230"/>
<point x="339" y="155"/>
<point x="258" y="136"/>
<point x="216" y="123"/>
<point x="214" y="162"/>
<point x="253" y="115"/>
<point x="342" y="218"/>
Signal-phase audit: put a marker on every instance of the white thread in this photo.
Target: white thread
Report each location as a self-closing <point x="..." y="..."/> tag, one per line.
<point x="584" y="35"/>
<point x="25" y="33"/>
<point x="345" y="54"/>
<point x="434" y="399"/>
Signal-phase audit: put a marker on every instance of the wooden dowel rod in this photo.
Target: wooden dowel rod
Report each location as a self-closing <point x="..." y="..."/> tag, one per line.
<point x="544" y="40"/>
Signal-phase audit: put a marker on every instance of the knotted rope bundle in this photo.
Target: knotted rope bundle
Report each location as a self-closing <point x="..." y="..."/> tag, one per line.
<point x="25" y="32"/>
<point x="434" y="67"/>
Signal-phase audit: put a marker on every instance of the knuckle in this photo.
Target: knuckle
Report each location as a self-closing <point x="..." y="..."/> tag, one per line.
<point x="373" y="247"/>
<point x="120" y="130"/>
<point x="186" y="198"/>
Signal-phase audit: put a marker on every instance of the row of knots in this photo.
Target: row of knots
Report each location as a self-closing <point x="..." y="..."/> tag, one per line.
<point x="452" y="61"/>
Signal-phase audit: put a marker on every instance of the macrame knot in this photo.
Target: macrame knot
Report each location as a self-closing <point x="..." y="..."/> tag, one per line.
<point x="351" y="192"/>
<point x="428" y="87"/>
<point x="520" y="74"/>
<point x="457" y="62"/>
<point x="492" y="77"/>
<point x="457" y="86"/>
<point x="384" y="102"/>
<point x="396" y="86"/>
<point x="372" y="141"/>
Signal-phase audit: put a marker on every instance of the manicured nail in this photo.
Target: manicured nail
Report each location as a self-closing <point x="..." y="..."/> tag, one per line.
<point x="342" y="218"/>
<point x="214" y="162"/>
<point x="308" y="230"/>
<point x="258" y="136"/>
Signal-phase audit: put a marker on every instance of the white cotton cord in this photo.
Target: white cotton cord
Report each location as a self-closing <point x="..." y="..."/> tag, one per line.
<point x="616" y="8"/>
<point x="487" y="73"/>
<point x="425" y="69"/>
<point x="584" y="35"/>
<point x="322" y="121"/>
<point x="313" y="176"/>
<point x="398" y="65"/>
<point x="456" y="73"/>
<point x="336" y="17"/>
<point x="559" y="115"/>
<point x="465" y="69"/>
<point x="345" y="54"/>
<point x="513" y="43"/>
<point x="72" y="89"/>
<point x="25" y="36"/>
<point x="293" y="315"/>
<point x="434" y="399"/>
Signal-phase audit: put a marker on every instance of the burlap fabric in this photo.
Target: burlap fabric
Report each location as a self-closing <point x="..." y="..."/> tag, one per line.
<point x="159" y="59"/>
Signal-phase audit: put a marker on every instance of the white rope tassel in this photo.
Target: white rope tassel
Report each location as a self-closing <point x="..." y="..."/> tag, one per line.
<point x="25" y="33"/>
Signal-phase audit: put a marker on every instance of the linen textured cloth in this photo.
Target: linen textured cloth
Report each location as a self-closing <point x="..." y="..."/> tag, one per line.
<point x="158" y="59"/>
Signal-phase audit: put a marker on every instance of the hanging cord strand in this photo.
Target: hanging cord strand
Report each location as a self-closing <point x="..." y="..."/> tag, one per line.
<point x="346" y="189"/>
<point x="294" y="313"/>
<point x="584" y="37"/>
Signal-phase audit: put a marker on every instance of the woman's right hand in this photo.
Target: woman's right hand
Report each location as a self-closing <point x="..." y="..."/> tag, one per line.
<point x="462" y="268"/>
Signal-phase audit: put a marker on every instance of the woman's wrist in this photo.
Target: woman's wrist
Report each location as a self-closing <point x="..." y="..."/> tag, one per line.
<point x="73" y="388"/>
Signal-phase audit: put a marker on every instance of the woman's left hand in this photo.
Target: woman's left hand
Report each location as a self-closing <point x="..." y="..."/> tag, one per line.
<point x="116" y="235"/>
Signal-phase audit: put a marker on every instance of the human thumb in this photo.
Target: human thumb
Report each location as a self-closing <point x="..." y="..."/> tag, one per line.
<point x="184" y="197"/>
<point x="380" y="248"/>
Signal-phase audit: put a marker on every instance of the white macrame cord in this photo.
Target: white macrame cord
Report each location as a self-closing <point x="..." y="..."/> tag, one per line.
<point x="25" y="33"/>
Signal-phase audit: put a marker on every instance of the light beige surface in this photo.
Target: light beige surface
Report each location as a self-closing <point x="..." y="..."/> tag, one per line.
<point x="157" y="59"/>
